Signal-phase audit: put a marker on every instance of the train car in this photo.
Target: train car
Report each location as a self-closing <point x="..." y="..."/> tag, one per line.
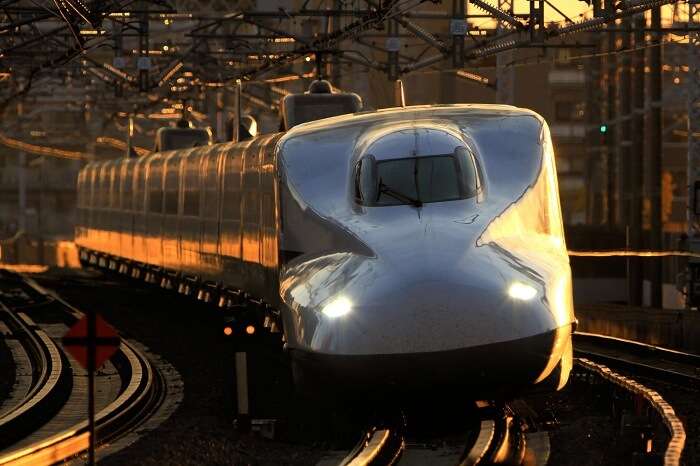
<point x="402" y="248"/>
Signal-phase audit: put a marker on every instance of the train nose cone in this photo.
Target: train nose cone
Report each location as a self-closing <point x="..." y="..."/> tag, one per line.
<point x="429" y="322"/>
<point x="432" y="305"/>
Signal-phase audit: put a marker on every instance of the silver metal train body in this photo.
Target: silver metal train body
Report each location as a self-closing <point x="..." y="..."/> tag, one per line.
<point x="406" y="248"/>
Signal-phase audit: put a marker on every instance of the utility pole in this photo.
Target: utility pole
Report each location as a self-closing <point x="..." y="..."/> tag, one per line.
<point x="624" y="115"/>
<point x="335" y="74"/>
<point x="118" y="60"/>
<point x="655" y="158"/>
<point x="144" y="61"/>
<point x="624" y="142"/>
<point x="611" y="131"/>
<point x="458" y="29"/>
<point x="693" y="89"/>
<point x="505" y="72"/>
<point x="393" y="45"/>
<point x="636" y="164"/>
<point x="594" y="149"/>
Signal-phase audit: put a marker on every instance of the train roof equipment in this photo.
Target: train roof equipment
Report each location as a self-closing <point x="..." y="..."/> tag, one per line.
<point x="317" y="103"/>
<point x="183" y="136"/>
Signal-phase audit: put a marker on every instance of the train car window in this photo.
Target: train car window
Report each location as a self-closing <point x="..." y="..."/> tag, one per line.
<point x="416" y="180"/>
<point x="232" y="189"/>
<point x="91" y="187"/>
<point x="127" y="179"/>
<point x="211" y="187"/>
<point x="155" y="187"/>
<point x="104" y="188"/>
<point x="114" y="190"/>
<point x="81" y="188"/>
<point x="172" y="172"/>
<point x="251" y="207"/>
<point x="191" y="188"/>
<point x="139" y="191"/>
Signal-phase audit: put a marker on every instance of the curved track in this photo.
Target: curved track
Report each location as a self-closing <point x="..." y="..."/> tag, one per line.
<point x="640" y="358"/>
<point x="647" y="360"/>
<point x="47" y="423"/>
<point x="499" y="439"/>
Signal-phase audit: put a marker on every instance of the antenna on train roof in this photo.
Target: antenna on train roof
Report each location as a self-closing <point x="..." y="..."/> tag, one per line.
<point x="319" y="65"/>
<point x="237" y="90"/>
<point x="399" y="95"/>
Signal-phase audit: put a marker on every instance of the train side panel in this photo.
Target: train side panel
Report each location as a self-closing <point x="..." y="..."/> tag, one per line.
<point x="154" y="211"/>
<point x="208" y="212"/>
<point x="171" y="208"/>
<point x="210" y="172"/>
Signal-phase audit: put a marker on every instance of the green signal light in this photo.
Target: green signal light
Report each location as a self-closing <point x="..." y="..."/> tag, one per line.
<point x="603" y="129"/>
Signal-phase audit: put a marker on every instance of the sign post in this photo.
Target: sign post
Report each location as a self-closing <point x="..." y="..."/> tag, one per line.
<point x="91" y="341"/>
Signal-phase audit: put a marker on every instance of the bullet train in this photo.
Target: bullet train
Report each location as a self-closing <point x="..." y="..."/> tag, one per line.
<point x="403" y="248"/>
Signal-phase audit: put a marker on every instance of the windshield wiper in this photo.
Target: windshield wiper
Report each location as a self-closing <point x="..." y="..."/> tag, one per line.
<point x="383" y="188"/>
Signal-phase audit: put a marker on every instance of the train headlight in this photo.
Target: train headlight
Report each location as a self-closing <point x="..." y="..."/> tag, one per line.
<point x="338" y="307"/>
<point x="521" y="291"/>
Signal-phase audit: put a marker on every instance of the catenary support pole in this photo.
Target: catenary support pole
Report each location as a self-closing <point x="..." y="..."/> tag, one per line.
<point x="612" y="130"/>
<point x="625" y="140"/>
<point x="505" y="71"/>
<point x="637" y="163"/>
<point x="693" y="90"/>
<point x="655" y="158"/>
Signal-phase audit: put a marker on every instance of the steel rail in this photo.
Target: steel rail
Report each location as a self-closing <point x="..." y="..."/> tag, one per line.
<point x="481" y="445"/>
<point x="674" y="426"/>
<point x="376" y="447"/>
<point x="641" y="358"/>
<point x="51" y="381"/>
<point x="502" y="442"/>
<point x="142" y="395"/>
<point x="499" y="440"/>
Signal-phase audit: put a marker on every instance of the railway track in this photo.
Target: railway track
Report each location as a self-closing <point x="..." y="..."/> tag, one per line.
<point x="596" y="352"/>
<point x="502" y="436"/>
<point x="640" y="358"/>
<point x="499" y="437"/>
<point x="44" y="419"/>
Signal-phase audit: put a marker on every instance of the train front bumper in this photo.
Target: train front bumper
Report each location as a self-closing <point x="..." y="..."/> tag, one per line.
<point x="501" y="369"/>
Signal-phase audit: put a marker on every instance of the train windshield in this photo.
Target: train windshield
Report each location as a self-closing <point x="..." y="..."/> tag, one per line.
<point x="416" y="180"/>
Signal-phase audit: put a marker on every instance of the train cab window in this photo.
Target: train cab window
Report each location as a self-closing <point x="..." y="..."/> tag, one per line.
<point x="416" y="180"/>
